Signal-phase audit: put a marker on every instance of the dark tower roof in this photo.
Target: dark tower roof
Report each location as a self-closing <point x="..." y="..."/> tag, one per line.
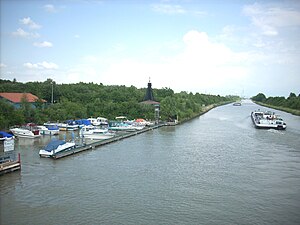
<point x="149" y="98"/>
<point x="149" y="93"/>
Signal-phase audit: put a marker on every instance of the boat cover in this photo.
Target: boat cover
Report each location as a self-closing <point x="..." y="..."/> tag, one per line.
<point x="53" y="145"/>
<point x="83" y="121"/>
<point x="4" y="134"/>
<point x="53" y="127"/>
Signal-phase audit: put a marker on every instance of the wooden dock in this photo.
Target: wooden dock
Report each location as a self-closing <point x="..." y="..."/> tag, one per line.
<point x="10" y="166"/>
<point x="104" y="142"/>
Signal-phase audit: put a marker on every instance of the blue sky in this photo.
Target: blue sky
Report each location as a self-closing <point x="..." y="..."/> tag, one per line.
<point x="217" y="47"/>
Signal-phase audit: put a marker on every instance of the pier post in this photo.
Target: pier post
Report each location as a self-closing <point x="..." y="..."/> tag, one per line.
<point x="19" y="159"/>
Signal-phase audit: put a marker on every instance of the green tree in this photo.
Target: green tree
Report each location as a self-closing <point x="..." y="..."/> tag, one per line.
<point x="168" y="108"/>
<point x="259" y="97"/>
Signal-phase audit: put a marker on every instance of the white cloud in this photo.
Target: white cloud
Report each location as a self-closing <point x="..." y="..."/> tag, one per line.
<point x="76" y="36"/>
<point x="31" y="66"/>
<point x="50" y="8"/>
<point x="269" y="19"/>
<point x="48" y="65"/>
<point x="29" y="22"/>
<point x="168" y="9"/>
<point x="21" y="33"/>
<point x="44" y="44"/>
<point x="203" y="65"/>
<point x="2" y="65"/>
<point x="42" y="65"/>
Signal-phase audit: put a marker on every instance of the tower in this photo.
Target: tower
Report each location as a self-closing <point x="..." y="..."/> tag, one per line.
<point x="149" y="100"/>
<point x="149" y="92"/>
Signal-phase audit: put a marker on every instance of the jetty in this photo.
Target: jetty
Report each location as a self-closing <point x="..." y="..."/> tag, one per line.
<point x="8" y="165"/>
<point x="96" y="144"/>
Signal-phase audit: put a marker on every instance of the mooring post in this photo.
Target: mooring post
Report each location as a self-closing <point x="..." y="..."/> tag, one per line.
<point x="19" y="159"/>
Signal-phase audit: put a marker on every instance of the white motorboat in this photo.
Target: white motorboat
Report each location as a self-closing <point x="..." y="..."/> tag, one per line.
<point x="50" y="130"/>
<point x="67" y="126"/>
<point x="62" y="126"/>
<point x="98" y="121"/>
<point x="103" y="121"/>
<point x="267" y="120"/>
<point x="94" y="121"/>
<point x="122" y="126"/>
<point x="27" y="131"/>
<point x="7" y="142"/>
<point x="142" y="122"/>
<point x="92" y="132"/>
<point x="56" y="146"/>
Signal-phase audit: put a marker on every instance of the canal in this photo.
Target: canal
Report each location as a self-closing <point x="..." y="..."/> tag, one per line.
<point x="215" y="169"/>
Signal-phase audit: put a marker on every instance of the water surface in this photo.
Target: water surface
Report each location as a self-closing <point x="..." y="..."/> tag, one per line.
<point x="215" y="169"/>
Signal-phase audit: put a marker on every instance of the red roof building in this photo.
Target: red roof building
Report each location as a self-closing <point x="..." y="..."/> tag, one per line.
<point x="16" y="98"/>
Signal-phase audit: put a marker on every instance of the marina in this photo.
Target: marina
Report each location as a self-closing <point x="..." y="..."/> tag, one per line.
<point x="150" y="112"/>
<point x="96" y="144"/>
<point x="197" y="171"/>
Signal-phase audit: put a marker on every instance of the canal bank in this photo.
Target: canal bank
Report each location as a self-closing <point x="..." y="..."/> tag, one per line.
<point x="288" y="110"/>
<point x="204" y="110"/>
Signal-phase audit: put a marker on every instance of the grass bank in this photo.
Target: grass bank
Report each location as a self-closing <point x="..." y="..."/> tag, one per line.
<point x="289" y="110"/>
<point x="204" y="110"/>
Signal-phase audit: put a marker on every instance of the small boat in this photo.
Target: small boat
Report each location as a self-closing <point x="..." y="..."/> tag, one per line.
<point x="82" y="122"/>
<point x="56" y="146"/>
<point x="92" y="132"/>
<point x="29" y="130"/>
<point x="9" y="160"/>
<point x="121" y="126"/>
<point x="237" y="104"/>
<point x="71" y="125"/>
<point x="48" y="130"/>
<point x="7" y="142"/>
<point x="94" y="121"/>
<point x="267" y="120"/>
<point x="5" y="136"/>
<point x="68" y="125"/>
<point x="99" y="121"/>
<point x="62" y="126"/>
<point x="142" y="122"/>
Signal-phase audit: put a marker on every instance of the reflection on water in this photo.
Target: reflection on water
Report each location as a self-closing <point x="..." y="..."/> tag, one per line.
<point x="215" y="169"/>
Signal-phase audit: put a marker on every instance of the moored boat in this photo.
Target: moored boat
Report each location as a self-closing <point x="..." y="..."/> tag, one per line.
<point x="94" y="121"/>
<point x="71" y="125"/>
<point x="7" y="142"/>
<point x="9" y="160"/>
<point x="29" y="130"/>
<point x="99" y="121"/>
<point x="143" y="122"/>
<point x="49" y="130"/>
<point x="124" y="126"/>
<point x="92" y="132"/>
<point x="56" y="146"/>
<point x="267" y="120"/>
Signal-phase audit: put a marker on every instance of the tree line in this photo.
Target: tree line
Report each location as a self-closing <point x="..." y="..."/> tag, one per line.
<point x="83" y="100"/>
<point x="291" y="102"/>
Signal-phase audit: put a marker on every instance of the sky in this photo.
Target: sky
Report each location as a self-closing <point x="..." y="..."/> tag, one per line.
<point x="227" y="47"/>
